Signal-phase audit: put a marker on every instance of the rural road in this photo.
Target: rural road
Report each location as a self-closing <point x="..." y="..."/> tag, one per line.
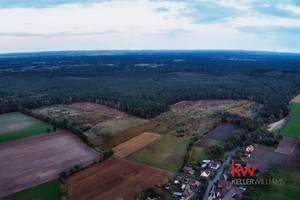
<point x="219" y="173"/>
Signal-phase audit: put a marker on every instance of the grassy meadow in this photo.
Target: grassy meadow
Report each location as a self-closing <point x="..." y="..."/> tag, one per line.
<point x="16" y="125"/>
<point x="46" y="191"/>
<point x="288" y="191"/>
<point x="167" y="153"/>
<point x="292" y="127"/>
<point x="197" y="154"/>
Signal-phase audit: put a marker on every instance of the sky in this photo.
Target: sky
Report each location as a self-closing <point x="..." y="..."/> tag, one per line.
<point x="52" y="25"/>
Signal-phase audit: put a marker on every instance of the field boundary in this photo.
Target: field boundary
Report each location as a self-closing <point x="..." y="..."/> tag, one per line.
<point x="136" y="143"/>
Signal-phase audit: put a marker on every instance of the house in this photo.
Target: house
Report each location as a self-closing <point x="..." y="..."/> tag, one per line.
<point x="206" y="161"/>
<point x="179" y="194"/>
<point x="188" y="170"/>
<point x="203" y="166"/>
<point x="214" y="166"/>
<point x="250" y="148"/>
<point x="205" y="173"/>
<point x="224" y="185"/>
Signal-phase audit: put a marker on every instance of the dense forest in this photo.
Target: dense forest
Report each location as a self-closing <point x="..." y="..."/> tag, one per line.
<point x="145" y="83"/>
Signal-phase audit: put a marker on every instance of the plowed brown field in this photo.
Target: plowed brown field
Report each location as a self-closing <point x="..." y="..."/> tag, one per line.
<point x="38" y="159"/>
<point x="134" y="144"/>
<point x="112" y="179"/>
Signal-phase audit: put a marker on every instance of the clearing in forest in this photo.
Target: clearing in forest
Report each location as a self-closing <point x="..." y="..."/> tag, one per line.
<point x="113" y="179"/>
<point x="134" y="144"/>
<point x="17" y="125"/>
<point x="188" y="119"/>
<point x="38" y="159"/>
<point x="167" y="153"/>
<point x="99" y="122"/>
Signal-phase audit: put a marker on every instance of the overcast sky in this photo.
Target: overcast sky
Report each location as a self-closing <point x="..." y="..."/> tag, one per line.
<point x="48" y="25"/>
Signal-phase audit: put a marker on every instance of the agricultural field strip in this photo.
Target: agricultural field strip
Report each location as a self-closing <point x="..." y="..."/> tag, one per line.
<point x="287" y="145"/>
<point x="134" y="144"/>
<point x="294" y="160"/>
<point x="296" y="99"/>
<point x="11" y="122"/>
<point x="38" y="159"/>
<point x="167" y="153"/>
<point x="114" y="178"/>
<point x="221" y="132"/>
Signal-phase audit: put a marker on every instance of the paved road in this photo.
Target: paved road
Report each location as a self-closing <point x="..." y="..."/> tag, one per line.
<point x="219" y="173"/>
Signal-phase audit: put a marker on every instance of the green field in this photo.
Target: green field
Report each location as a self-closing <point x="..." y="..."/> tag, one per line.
<point x="16" y="125"/>
<point x="295" y="111"/>
<point x="47" y="191"/>
<point x="167" y="153"/>
<point x="197" y="154"/>
<point x="292" y="127"/>
<point x="289" y="191"/>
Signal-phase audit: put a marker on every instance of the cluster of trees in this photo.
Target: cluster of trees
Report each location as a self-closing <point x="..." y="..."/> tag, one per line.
<point x="215" y="151"/>
<point x="116" y="81"/>
<point x="250" y="131"/>
<point x="63" y="124"/>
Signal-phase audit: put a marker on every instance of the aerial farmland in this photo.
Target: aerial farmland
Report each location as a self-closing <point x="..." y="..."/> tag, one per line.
<point x="167" y="153"/>
<point x="38" y="159"/>
<point x="126" y="177"/>
<point x="101" y="123"/>
<point x="134" y="144"/>
<point x="17" y="125"/>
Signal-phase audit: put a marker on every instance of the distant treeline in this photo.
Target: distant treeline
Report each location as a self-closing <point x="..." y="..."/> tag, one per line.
<point x="145" y="84"/>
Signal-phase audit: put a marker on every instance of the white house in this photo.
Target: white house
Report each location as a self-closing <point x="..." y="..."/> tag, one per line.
<point x="205" y="173"/>
<point x="214" y="166"/>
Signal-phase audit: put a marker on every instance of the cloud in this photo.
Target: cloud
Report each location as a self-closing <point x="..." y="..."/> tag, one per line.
<point x="274" y="8"/>
<point x="209" y="11"/>
<point x="271" y="29"/>
<point x="285" y="36"/>
<point x="149" y="24"/>
<point x="176" y="33"/>
<point x="59" y="34"/>
<point x="42" y="3"/>
<point x="161" y="9"/>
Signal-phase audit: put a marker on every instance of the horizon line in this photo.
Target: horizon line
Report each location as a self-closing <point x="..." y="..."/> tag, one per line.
<point x="132" y="50"/>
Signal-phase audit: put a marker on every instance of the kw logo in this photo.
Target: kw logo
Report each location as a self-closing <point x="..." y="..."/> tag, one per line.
<point x="244" y="172"/>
